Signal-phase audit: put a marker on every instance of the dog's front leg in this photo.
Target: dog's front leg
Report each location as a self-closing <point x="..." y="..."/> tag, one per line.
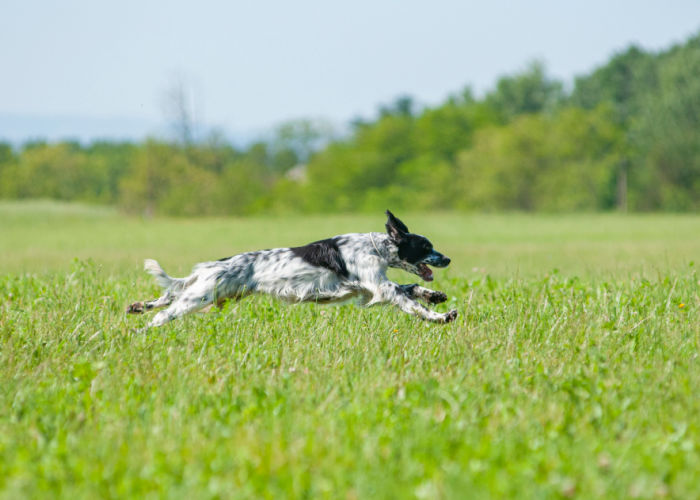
<point x="392" y="293"/>
<point x="418" y="292"/>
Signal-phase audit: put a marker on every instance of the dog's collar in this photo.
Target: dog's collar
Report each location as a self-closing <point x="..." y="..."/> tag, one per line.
<point x="379" y="252"/>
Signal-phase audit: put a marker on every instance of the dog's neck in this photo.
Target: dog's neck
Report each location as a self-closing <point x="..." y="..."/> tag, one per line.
<point x="384" y="246"/>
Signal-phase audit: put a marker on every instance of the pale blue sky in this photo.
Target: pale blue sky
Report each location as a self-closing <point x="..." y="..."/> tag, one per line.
<point x="253" y="64"/>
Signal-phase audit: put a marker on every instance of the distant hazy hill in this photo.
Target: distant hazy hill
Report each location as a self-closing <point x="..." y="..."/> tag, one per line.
<point x="17" y="128"/>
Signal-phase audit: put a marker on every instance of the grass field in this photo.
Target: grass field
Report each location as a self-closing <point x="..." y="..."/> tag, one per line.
<point x="572" y="370"/>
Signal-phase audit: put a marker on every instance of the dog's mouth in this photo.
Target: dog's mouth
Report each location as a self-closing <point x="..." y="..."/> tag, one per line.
<point x="424" y="272"/>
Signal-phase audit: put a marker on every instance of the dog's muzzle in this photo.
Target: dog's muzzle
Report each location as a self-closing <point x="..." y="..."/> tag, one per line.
<point x="436" y="259"/>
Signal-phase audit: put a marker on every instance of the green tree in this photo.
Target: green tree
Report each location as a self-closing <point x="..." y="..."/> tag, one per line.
<point x="530" y="91"/>
<point x="60" y="171"/>
<point x="564" y="161"/>
<point x="622" y="82"/>
<point x="667" y="135"/>
<point x="7" y="160"/>
<point x="154" y="170"/>
<point x="340" y="177"/>
<point x="297" y="140"/>
<point x="241" y="189"/>
<point x="7" y="155"/>
<point x="403" y="106"/>
<point x="114" y="159"/>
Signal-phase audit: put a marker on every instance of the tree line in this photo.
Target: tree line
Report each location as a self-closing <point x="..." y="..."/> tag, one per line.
<point x="626" y="136"/>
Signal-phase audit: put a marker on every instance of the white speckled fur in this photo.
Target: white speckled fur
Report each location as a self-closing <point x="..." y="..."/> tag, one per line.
<point x="281" y="273"/>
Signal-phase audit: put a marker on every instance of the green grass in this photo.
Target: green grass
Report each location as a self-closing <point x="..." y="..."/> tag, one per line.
<point x="572" y="370"/>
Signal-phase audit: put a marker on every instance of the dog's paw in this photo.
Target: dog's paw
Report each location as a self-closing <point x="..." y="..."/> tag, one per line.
<point x="437" y="297"/>
<point x="135" y="308"/>
<point x="450" y="316"/>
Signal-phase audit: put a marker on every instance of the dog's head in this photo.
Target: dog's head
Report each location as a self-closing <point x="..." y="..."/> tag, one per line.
<point x="415" y="252"/>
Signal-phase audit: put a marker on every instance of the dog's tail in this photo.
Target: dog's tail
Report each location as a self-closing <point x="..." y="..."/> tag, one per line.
<point x="153" y="268"/>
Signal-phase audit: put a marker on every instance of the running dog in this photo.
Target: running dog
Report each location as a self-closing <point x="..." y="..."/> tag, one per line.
<point x="349" y="266"/>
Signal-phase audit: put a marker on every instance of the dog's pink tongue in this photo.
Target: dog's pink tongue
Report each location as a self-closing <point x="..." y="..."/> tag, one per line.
<point x="425" y="272"/>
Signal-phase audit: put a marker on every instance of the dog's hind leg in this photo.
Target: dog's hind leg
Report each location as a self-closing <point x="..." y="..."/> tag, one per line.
<point x="193" y="299"/>
<point x="182" y="306"/>
<point x="426" y="294"/>
<point x="146" y="305"/>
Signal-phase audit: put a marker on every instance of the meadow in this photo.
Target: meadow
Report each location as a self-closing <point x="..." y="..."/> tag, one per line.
<point x="572" y="370"/>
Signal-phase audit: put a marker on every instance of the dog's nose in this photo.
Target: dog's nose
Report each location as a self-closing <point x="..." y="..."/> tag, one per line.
<point x="447" y="261"/>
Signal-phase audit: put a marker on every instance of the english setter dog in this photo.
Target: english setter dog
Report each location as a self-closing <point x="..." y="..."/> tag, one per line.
<point x="332" y="270"/>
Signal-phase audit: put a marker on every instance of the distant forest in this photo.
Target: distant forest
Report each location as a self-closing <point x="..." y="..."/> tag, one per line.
<point x="624" y="137"/>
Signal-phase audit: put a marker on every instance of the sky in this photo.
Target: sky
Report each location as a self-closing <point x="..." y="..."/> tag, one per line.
<point x="88" y="69"/>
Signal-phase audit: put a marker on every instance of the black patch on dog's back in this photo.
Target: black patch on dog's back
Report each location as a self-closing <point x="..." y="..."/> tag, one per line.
<point x="323" y="253"/>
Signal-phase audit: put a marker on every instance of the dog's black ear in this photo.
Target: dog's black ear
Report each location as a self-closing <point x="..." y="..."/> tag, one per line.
<point x="396" y="229"/>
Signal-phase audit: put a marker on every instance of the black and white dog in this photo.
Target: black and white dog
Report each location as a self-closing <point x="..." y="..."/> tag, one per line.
<point x="333" y="270"/>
